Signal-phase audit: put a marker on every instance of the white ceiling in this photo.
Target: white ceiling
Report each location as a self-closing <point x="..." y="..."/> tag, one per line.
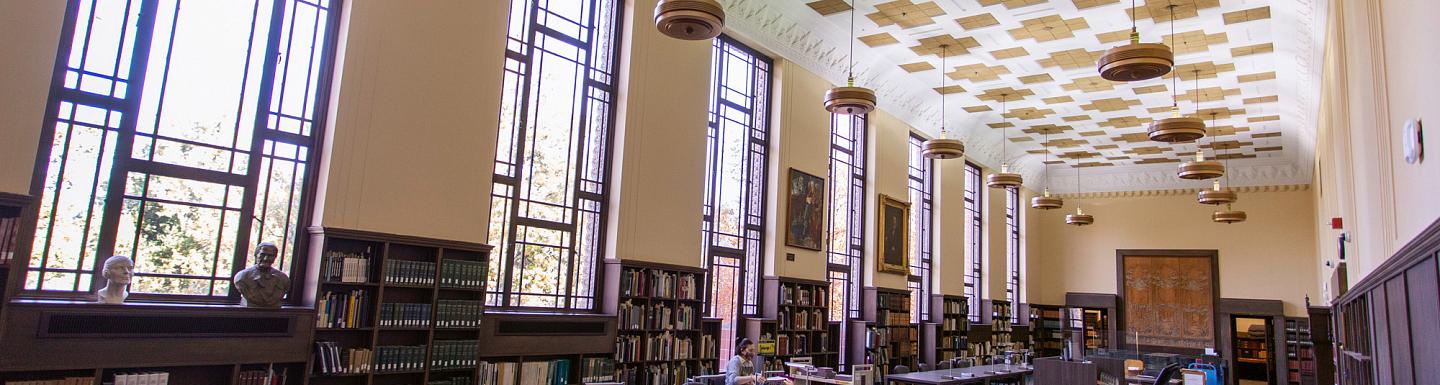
<point x="1093" y="122"/>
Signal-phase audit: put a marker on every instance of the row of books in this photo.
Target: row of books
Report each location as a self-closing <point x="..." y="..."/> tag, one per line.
<point x="462" y="273"/>
<point x="409" y="272"/>
<point x="554" y="372"/>
<point x="803" y="296"/>
<point x="954" y="324"/>
<point x="597" y="369"/>
<point x="811" y="319"/>
<point x="452" y="381"/>
<point x="64" y="381"/>
<point x="341" y="309"/>
<point x="955" y="307"/>
<point x="658" y="284"/>
<point x="658" y="317"/>
<point x="1000" y="316"/>
<point x="262" y="377"/>
<point x="451" y="354"/>
<point x="399" y="358"/>
<point x="663" y="346"/>
<point x="802" y="344"/>
<point x="663" y="374"/>
<point x="458" y="313"/>
<point x="953" y="342"/>
<point x="340" y="266"/>
<point x="895" y="318"/>
<point x="405" y="314"/>
<point x="331" y="358"/>
<point x="894" y="302"/>
<point x="145" y="378"/>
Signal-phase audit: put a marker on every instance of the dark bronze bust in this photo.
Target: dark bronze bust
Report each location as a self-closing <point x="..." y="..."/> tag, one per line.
<point x="262" y="285"/>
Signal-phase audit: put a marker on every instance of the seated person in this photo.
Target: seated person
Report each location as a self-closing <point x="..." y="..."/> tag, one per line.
<point x="741" y="368"/>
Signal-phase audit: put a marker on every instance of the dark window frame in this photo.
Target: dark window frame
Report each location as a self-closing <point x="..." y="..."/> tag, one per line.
<point x="128" y="105"/>
<point x="588" y="200"/>
<point x="921" y="184"/>
<point x="846" y="266"/>
<point x="1012" y="249"/>
<point x="974" y="236"/>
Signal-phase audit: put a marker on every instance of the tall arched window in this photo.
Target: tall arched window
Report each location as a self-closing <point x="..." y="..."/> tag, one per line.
<point x="846" y="247"/>
<point x="974" y="250"/>
<point x="921" y="186"/>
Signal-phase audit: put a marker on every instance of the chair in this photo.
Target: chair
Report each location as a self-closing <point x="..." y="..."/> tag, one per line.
<point x="710" y="379"/>
<point x="1163" y="378"/>
<point x="943" y="365"/>
<point x="922" y="366"/>
<point x="863" y="374"/>
<point x="901" y="369"/>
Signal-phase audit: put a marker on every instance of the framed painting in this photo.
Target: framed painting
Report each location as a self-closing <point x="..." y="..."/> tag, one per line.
<point x="805" y="210"/>
<point x="894" y="229"/>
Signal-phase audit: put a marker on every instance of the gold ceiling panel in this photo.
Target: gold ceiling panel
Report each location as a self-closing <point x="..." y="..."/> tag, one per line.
<point x="1000" y="125"/>
<point x="1225" y="130"/>
<point x="1020" y="139"/>
<point x="1242" y="16"/>
<point x="879" y="39"/>
<point x="1006" y="93"/>
<point x="1160" y="11"/>
<point x="1156" y="161"/>
<point x="1268" y="118"/>
<point x="1012" y="4"/>
<point x="1029" y="113"/>
<point x="1266" y="135"/>
<point x="1149" y="89"/>
<point x="1071" y="59"/>
<point x="1272" y="148"/>
<point x="1226" y="145"/>
<point x="1048" y="28"/>
<point x="829" y="7"/>
<point x="1138" y="137"/>
<point x="1209" y="94"/>
<point x="1083" y="4"/>
<point x="974" y="109"/>
<point x="1107" y="147"/>
<point x="1077" y="155"/>
<point x="1089" y="84"/>
<point x="1125" y="122"/>
<point x="1065" y="143"/>
<point x="1032" y="79"/>
<point x="1234" y="156"/>
<point x="1110" y="104"/>
<point x="1256" y="77"/>
<point x="1204" y="70"/>
<point x="1122" y="157"/>
<point x="917" y="67"/>
<point x="978" y="21"/>
<point x="978" y="72"/>
<point x="1219" y="113"/>
<point x="1262" y="99"/>
<point x="1036" y="152"/>
<point x="1194" y="41"/>
<point x="956" y="46"/>
<point x="1252" y="49"/>
<point x="946" y="90"/>
<point x="1158" y="109"/>
<point x="1058" y="99"/>
<point x="1076" y="118"/>
<point x="1147" y="150"/>
<point x="1092" y="133"/>
<point x="1046" y="129"/>
<point x="905" y="13"/>
<point x="1010" y="53"/>
<point x="1114" y="36"/>
<point x="1093" y="164"/>
<point x="1054" y="162"/>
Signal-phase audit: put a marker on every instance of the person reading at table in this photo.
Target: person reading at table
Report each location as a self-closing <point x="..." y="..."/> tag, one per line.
<point x="741" y="368"/>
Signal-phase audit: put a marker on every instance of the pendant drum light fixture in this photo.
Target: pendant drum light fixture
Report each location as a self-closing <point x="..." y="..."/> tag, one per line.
<point x="1136" y="61"/>
<point x="943" y="147"/>
<point x="851" y="100"/>
<point x="1045" y="201"/>
<point x="1229" y="215"/>
<point x="690" y="19"/>
<point x="1176" y="128"/>
<point x="1079" y="218"/>
<point x="1216" y="196"/>
<point x="1004" y="178"/>
<point x="1201" y="168"/>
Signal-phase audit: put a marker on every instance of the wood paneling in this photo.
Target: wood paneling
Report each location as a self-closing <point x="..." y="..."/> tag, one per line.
<point x="1424" y="320"/>
<point x="1401" y="367"/>
<point x="1169" y="297"/>
<point x="1387" y="322"/>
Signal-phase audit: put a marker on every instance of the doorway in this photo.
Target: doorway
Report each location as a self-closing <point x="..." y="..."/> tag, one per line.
<point x="1252" y="347"/>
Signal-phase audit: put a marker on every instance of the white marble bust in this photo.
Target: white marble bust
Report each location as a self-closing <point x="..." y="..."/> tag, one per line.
<point x="118" y="271"/>
<point x="262" y="285"/>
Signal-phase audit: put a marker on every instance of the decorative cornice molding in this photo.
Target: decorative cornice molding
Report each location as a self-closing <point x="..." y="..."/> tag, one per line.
<point x="1186" y="191"/>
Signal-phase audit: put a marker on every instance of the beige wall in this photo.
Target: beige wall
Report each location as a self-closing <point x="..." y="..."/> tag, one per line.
<point x="1378" y="74"/>
<point x="27" y="57"/>
<point x="1268" y="256"/>
<point x="656" y="190"/>
<point x="801" y="130"/>
<point x="889" y="159"/>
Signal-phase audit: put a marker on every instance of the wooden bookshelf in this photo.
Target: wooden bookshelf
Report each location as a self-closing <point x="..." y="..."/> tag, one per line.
<point x="1299" y="352"/>
<point x="1323" y="343"/>
<point x="661" y="338"/>
<point x="1047" y="330"/>
<point x="1000" y="313"/>
<point x="952" y="335"/>
<point x="380" y="273"/>
<point x="892" y="340"/>
<point x="803" y="328"/>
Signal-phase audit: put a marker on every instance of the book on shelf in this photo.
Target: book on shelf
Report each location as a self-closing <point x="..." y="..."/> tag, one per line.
<point x="404" y="272"/>
<point x="262" y="377"/>
<point x="458" y="313"/>
<point x="399" y="358"/>
<point x="597" y="369"/>
<point x="404" y="315"/>
<point x="142" y="378"/>
<point x="457" y="380"/>
<point x="343" y="309"/>
<point x="346" y="267"/>
<point x="62" y="381"/>
<point x="454" y="354"/>
<point x="331" y="359"/>
<point x="553" y="372"/>
<point x="460" y="273"/>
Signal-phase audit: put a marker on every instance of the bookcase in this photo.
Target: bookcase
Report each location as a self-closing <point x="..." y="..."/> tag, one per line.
<point x="1299" y="353"/>
<point x="1046" y="329"/>
<point x="1000" y="326"/>
<point x="11" y="206"/>
<point x="803" y="327"/>
<point x="764" y="332"/>
<point x="892" y="339"/>
<point x="232" y="374"/>
<point x="952" y="335"/>
<point x="396" y="309"/>
<point x="660" y="337"/>
<point x="1252" y="356"/>
<point x="1096" y="324"/>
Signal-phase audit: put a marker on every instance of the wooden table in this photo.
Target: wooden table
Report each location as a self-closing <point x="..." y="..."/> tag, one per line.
<point x="982" y="374"/>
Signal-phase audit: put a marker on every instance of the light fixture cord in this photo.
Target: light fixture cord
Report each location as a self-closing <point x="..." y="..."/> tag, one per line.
<point x="1134" y="33"/>
<point x="851" y="69"/>
<point x="1004" y="130"/>
<point x="1174" y="79"/>
<point x="943" y="131"/>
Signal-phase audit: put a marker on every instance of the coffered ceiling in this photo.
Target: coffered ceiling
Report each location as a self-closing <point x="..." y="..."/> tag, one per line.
<point x="1254" y="61"/>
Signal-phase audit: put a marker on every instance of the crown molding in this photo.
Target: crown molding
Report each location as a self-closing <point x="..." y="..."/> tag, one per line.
<point x="1186" y="191"/>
